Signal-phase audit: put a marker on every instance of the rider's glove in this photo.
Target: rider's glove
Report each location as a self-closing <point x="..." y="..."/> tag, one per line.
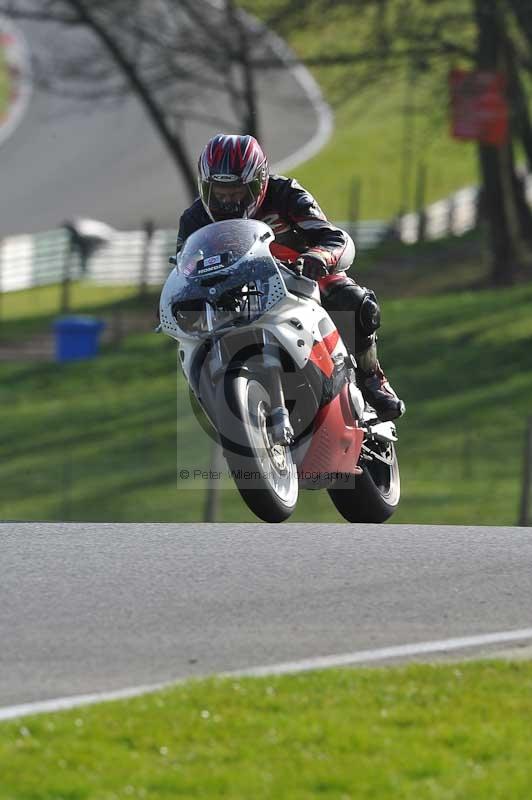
<point x="312" y="266"/>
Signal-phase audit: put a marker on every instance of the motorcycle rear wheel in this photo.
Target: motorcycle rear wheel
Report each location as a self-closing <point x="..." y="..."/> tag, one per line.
<point x="264" y="473"/>
<point x="372" y="496"/>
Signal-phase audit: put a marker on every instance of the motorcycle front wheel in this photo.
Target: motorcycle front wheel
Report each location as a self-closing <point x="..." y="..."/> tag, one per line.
<point x="372" y="496"/>
<point x="264" y="472"/>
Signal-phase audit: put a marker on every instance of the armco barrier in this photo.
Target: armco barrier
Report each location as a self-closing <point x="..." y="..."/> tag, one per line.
<point x="136" y="258"/>
<point x="27" y="261"/>
<point x="129" y="258"/>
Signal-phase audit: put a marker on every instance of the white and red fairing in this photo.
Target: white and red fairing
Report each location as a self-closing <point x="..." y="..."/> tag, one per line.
<point x="336" y="438"/>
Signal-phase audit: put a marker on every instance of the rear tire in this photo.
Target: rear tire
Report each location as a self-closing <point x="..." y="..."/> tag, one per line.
<point x="372" y="496"/>
<point x="264" y="474"/>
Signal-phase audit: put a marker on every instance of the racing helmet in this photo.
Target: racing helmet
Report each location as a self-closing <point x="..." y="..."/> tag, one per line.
<point x="232" y="176"/>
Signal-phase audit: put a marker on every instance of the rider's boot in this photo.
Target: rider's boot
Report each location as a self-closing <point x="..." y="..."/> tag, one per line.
<point x="375" y="387"/>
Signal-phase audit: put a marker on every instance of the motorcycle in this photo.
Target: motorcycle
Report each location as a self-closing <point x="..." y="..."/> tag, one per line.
<point x="268" y="369"/>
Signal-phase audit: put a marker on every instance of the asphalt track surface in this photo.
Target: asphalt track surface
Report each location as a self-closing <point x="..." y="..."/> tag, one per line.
<point x="88" y="608"/>
<point x="68" y="159"/>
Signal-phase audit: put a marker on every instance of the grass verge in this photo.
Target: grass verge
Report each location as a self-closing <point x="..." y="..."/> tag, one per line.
<point x="40" y="305"/>
<point x="96" y="440"/>
<point x="31" y="313"/>
<point x="425" y="732"/>
<point x="367" y="145"/>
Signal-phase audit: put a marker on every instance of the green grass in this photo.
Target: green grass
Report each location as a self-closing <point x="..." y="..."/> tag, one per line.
<point x="43" y="301"/>
<point x="4" y="85"/>
<point x="367" y="146"/>
<point x="368" y="142"/>
<point x="96" y="440"/>
<point x="422" y="732"/>
<point x="32" y="312"/>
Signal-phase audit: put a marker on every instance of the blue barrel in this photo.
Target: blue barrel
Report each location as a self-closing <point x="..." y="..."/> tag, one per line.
<point x="77" y="337"/>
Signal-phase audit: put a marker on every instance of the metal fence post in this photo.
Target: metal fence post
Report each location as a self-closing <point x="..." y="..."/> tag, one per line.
<point x="117" y="326"/>
<point x="1" y="287"/>
<point x="451" y="211"/>
<point x="65" y="283"/>
<point x="467" y="451"/>
<point x="149" y="230"/>
<point x="66" y="489"/>
<point x="212" y="494"/>
<point x="353" y="211"/>
<point x="420" y="201"/>
<point x="524" y="513"/>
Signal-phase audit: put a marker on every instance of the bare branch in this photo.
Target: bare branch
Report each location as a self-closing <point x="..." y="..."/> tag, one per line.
<point x="175" y="55"/>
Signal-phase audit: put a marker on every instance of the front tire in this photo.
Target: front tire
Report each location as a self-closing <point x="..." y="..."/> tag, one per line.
<point x="264" y="473"/>
<point x="372" y="496"/>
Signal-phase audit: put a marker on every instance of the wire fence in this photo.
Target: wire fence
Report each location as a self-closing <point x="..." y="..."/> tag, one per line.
<point x="130" y="257"/>
<point x="453" y="216"/>
<point x="136" y="258"/>
<point x="140" y="257"/>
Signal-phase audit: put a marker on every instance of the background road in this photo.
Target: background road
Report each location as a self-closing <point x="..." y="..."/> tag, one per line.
<point x="67" y="159"/>
<point x="89" y="607"/>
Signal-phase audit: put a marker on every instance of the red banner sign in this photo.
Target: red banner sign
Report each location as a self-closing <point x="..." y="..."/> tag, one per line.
<point x="479" y="106"/>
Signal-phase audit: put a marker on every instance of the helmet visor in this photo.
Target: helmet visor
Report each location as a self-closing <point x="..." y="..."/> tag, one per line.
<point x="228" y="200"/>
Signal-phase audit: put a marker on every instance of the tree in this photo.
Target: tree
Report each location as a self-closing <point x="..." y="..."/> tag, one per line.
<point x="414" y="37"/>
<point x="504" y="203"/>
<point x="180" y="58"/>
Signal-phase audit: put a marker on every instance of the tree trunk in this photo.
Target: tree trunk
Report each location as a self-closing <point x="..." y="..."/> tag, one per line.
<point x="519" y="101"/>
<point x="501" y="253"/>
<point x="508" y="250"/>
<point x="172" y="141"/>
<point x="250" y="91"/>
<point x="521" y="129"/>
<point x="524" y="215"/>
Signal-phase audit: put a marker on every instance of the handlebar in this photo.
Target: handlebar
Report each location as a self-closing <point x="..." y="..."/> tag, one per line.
<point x="289" y="266"/>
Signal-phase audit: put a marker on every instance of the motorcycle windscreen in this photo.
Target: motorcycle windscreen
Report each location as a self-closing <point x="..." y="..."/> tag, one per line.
<point x="221" y="244"/>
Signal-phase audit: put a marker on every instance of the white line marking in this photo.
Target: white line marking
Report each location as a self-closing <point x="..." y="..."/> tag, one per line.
<point x="323" y="662"/>
<point x="385" y="653"/>
<point x="64" y="703"/>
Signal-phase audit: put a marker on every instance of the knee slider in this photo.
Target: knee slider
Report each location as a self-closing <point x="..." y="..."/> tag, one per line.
<point x="360" y="302"/>
<point x="345" y="295"/>
<point x="369" y="314"/>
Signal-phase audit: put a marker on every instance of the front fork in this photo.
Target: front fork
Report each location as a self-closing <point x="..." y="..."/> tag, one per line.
<point x="280" y="429"/>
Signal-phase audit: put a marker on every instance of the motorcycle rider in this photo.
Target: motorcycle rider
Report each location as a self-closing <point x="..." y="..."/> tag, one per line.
<point x="234" y="182"/>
